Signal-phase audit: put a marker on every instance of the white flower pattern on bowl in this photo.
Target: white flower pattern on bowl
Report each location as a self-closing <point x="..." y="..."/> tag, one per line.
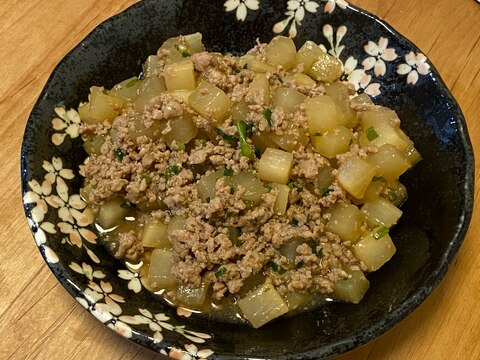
<point x="415" y="64"/>
<point x="379" y="53"/>
<point x="242" y="7"/>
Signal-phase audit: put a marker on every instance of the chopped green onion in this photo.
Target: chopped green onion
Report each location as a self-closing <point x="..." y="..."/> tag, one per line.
<point x="208" y="199"/>
<point x="316" y="249"/>
<point x="249" y="130"/>
<point x="127" y="205"/>
<point x="267" y="114"/>
<point x="272" y="265"/>
<point x="350" y="142"/>
<point x="318" y="133"/>
<point x="171" y="171"/>
<point x="220" y="272"/>
<point x="119" y="154"/>
<point x="294" y="222"/>
<point x="381" y="232"/>
<point x="182" y="49"/>
<point x="379" y="178"/>
<point x="245" y="66"/>
<point x="200" y="142"/>
<point x="227" y="137"/>
<point x="148" y="179"/>
<point x="181" y="146"/>
<point x="244" y="146"/>
<point x="293" y="185"/>
<point x="392" y="196"/>
<point x="299" y="265"/>
<point x="248" y="203"/>
<point x="371" y="133"/>
<point x="131" y="83"/>
<point x="326" y="191"/>
<point x="236" y="69"/>
<point x="227" y="172"/>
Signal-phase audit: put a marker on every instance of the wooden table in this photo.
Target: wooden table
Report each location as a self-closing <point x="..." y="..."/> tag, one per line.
<point x="39" y="320"/>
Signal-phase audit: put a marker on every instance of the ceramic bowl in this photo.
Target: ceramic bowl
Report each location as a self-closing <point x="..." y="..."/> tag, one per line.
<point x="378" y="61"/>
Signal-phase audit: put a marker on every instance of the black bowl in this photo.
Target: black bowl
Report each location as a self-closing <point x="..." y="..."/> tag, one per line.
<point x="436" y="215"/>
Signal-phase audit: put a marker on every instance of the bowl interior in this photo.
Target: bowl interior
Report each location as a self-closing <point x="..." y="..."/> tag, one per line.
<point x="436" y="213"/>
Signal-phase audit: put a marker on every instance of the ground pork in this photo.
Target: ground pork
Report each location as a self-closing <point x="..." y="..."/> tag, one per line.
<point x="226" y="240"/>
<point x="130" y="247"/>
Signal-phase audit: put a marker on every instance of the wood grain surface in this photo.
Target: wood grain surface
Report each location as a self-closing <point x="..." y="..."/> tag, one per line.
<point x="39" y="320"/>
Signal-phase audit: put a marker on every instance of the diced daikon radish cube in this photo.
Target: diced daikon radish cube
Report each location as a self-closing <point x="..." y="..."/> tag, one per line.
<point x="275" y="166"/>
<point x="262" y="305"/>
<point x="355" y="174"/>
<point x="375" y="249"/>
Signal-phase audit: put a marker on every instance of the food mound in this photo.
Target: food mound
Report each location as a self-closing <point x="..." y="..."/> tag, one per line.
<point x="249" y="186"/>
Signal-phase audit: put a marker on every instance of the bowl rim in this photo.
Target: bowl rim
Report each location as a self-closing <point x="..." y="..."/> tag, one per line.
<point x="388" y="321"/>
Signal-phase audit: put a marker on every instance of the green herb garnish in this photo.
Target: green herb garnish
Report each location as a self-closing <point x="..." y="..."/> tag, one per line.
<point x="245" y="66"/>
<point x="244" y="146"/>
<point x="299" y="265"/>
<point x="326" y="191"/>
<point x="392" y="196"/>
<point x="272" y="265"/>
<point x="350" y="142"/>
<point x="227" y="172"/>
<point x="131" y="83"/>
<point x="181" y="146"/>
<point x="171" y="171"/>
<point x="316" y="249"/>
<point x="119" y="154"/>
<point x="220" y="272"/>
<point x="200" y="142"/>
<point x="371" y="133"/>
<point x="248" y="203"/>
<point x="294" y="222"/>
<point x="267" y="114"/>
<point x="127" y="205"/>
<point x="379" y="178"/>
<point x="148" y="179"/>
<point x="182" y="49"/>
<point x="208" y="199"/>
<point x="318" y="133"/>
<point x="293" y="185"/>
<point x="381" y="232"/>
<point x="249" y="127"/>
<point x="236" y="69"/>
<point x="231" y="139"/>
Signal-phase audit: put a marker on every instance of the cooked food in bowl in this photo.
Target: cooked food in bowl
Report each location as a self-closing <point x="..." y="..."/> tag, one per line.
<point x="245" y="187"/>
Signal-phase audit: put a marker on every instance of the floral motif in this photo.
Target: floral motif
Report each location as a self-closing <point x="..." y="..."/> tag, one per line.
<point x="38" y="195"/>
<point x="330" y="5"/>
<point x="67" y="122"/>
<point x="94" y="293"/>
<point x="87" y="270"/>
<point x="75" y="226"/>
<point x="416" y="64"/>
<point x="295" y="15"/>
<point x="335" y="47"/>
<point x="241" y="6"/>
<point x="133" y="279"/>
<point x="191" y="352"/>
<point x="56" y="172"/>
<point x="359" y="78"/>
<point x="379" y="53"/>
<point x="110" y="316"/>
